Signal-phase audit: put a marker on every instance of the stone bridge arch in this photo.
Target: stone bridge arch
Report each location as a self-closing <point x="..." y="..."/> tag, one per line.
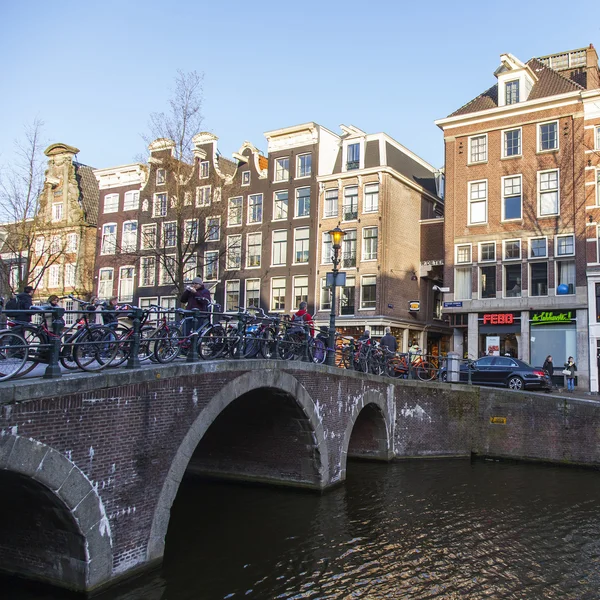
<point x="42" y="470"/>
<point x="274" y="379"/>
<point x="381" y="422"/>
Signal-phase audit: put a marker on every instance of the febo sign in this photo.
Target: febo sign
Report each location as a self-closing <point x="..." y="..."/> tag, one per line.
<point x="498" y="319"/>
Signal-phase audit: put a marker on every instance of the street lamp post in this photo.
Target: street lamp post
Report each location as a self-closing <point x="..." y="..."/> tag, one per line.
<point x="336" y="240"/>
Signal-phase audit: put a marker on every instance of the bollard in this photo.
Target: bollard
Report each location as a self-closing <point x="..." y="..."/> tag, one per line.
<point x="277" y="324"/>
<point x="195" y="340"/>
<point x="53" y="369"/>
<point x="352" y="355"/>
<point x="241" y="335"/>
<point x="453" y="368"/>
<point x="469" y="369"/>
<point x="307" y="340"/>
<point x="133" y="360"/>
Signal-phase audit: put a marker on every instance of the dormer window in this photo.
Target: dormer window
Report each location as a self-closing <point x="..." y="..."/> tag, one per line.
<point x="353" y="157"/>
<point x="512" y="91"/>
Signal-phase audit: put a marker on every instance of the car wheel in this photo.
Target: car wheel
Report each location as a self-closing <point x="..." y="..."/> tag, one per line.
<point x="515" y="383"/>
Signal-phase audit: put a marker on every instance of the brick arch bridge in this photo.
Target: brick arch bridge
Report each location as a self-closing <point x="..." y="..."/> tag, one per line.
<point x="93" y="462"/>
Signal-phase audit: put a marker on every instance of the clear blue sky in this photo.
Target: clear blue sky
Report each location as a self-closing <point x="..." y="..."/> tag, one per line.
<point x="93" y="71"/>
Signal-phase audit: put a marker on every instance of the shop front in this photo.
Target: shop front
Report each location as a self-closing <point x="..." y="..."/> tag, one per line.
<point x="499" y="334"/>
<point x="554" y="333"/>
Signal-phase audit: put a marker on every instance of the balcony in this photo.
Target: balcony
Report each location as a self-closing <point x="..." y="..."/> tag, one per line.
<point x="351" y="165"/>
<point x="348" y="260"/>
<point x="350" y="213"/>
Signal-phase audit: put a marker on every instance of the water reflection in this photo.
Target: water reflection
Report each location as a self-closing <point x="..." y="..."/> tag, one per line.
<point x="439" y="529"/>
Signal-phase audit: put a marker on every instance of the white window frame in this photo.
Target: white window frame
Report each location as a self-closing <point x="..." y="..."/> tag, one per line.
<point x="164" y="235"/>
<point x="272" y="298"/>
<point x="597" y="137"/>
<point x="299" y="158"/>
<point x="539" y="137"/>
<point x="235" y="283"/>
<point x="466" y="268"/>
<point x="281" y="173"/>
<point x="362" y="285"/>
<point x="456" y="249"/>
<point x="329" y="214"/>
<point x="56" y="242"/>
<point x="367" y="257"/>
<point x="190" y="267"/>
<point x="157" y="203"/>
<point x="211" y="255"/>
<point x="54" y="272"/>
<point x="57" y="211"/>
<point x="279" y="243"/>
<point x="503" y="142"/>
<point x="72" y="242"/>
<point x="218" y="228"/>
<point x="146" y="302"/>
<point x="245" y="177"/>
<point x="39" y="244"/>
<point x="276" y="202"/>
<point x="129" y="297"/>
<point x="143" y="241"/>
<point x="102" y="282"/>
<point x="295" y="286"/>
<point x="347" y="194"/>
<point x="361" y="154"/>
<point x="151" y="280"/>
<point x="251" y="206"/>
<point x="598" y="186"/>
<point x="503" y="197"/>
<point x="530" y="246"/>
<point x="297" y="204"/>
<point x="190" y="231"/>
<point x="371" y="207"/>
<point x="471" y="202"/>
<point x="164" y="278"/>
<point x="246" y="286"/>
<point x="161" y="176"/>
<point x="326" y="249"/>
<point x="556" y="245"/>
<point x="240" y="208"/>
<point x="504" y="243"/>
<point x="203" y="169"/>
<point x="324" y="288"/>
<point x="125" y="246"/>
<point x="480" y="252"/>
<point x="103" y="249"/>
<point x="203" y="195"/>
<point x="539" y="193"/>
<point x="303" y="239"/>
<point x="111" y="204"/>
<point x="476" y="137"/>
<point x="168" y="302"/>
<point x="253" y="235"/>
<point x="228" y="252"/>
<point x="129" y="203"/>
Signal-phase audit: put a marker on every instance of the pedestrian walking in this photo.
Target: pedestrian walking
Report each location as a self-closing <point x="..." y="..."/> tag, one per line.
<point x="389" y="341"/>
<point x="569" y="373"/>
<point x="548" y="365"/>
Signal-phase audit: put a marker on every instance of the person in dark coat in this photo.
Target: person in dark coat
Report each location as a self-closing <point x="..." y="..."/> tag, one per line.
<point x="548" y="365"/>
<point x="571" y="367"/>
<point x="196" y="295"/>
<point x="25" y="300"/>
<point x="109" y="317"/>
<point x="389" y="341"/>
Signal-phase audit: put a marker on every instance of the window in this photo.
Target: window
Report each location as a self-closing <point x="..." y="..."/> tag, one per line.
<point x="463" y="254"/>
<point x="538" y="279"/>
<point x="37" y="277"/>
<point x="204" y="169"/>
<point x="187" y="198"/>
<point x="217" y="195"/>
<point x="57" y="211"/>
<point x="512" y="281"/>
<point x="232" y="295"/>
<point x="72" y="242"/>
<point x="203" y="195"/>
<point x="301" y="245"/>
<point x="159" y="206"/>
<point x="278" y="293"/>
<point x="282" y="169"/>
<point x="353" y="157"/>
<point x="512" y="92"/>
<point x="146" y="303"/>
<point x="105" y="283"/>
<point x="598" y="186"/>
<point x="169" y="234"/>
<point x="548" y="193"/>
<point x="190" y="267"/>
<point x="246" y="178"/>
<point x="111" y="203"/>
<point x="54" y="276"/>
<point x="15" y="276"/>
<point x="565" y="274"/>
<point x="326" y="249"/>
<point x="548" y="136"/>
<point x="213" y="229"/>
<point x="478" y="149"/>
<point x="147" y="271"/>
<point x="253" y="292"/>
<point x="253" y="250"/>
<point x="325" y="297"/>
<point x="168" y="302"/>
<point x="565" y="245"/>
<point x="303" y="202"/>
<point x="511" y="197"/>
<point x="190" y="231"/>
<point x="597" y="138"/>
<point x="349" y="249"/>
<point x="280" y="205"/>
<point x="477" y="202"/>
<point x="279" y="251"/>
<point x="370" y="243"/>
<point x="126" y="275"/>
<point x="487" y="251"/>
<point x="234" y="211"/>
<point x="371" y="201"/>
<point x="161" y="176"/>
<point x="331" y="203"/>
<point x="538" y="248"/>
<point x="255" y="205"/>
<point x="368" y="291"/>
<point x="350" y="206"/>
<point x="109" y="238"/>
<point x="512" y="249"/>
<point x="512" y="143"/>
<point x="463" y="283"/>
<point x="55" y="244"/>
<point x="303" y="165"/>
<point x="129" y="241"/>
<point x="39" y="244"/>
<point x="487" y="278"/>
<point x="234" y="252"/>
<point x="167" y="270"/>
<point x="211" y="265"/>
<point x="300" y="290"/>
<point x="148" y="237"/>
<point x="132" y="200"/>
<point x="347" y="297"/>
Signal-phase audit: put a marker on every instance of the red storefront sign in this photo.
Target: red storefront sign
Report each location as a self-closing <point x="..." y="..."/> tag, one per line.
<point x="498" y="319"/>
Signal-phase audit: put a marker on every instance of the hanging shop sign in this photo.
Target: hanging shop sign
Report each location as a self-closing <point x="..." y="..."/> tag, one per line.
<point x="414" y="306"/>
<point x="550" y="317"/>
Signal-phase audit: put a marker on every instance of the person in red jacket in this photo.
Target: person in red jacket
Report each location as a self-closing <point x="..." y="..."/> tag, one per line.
<point x="303" y="317"/>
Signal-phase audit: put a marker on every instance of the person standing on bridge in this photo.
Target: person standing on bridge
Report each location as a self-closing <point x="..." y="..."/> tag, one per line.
<point x="389" y="341"/>
<point x="303" y="317"/>
<point x="196" y="295"/>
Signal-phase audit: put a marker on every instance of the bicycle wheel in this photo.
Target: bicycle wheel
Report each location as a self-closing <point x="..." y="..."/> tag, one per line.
<point x="396" y="367"/>
<point x="96" y="348"/>
<point x="37" y="345"/>
<point x="268" y="343"/>
<point x="212" y="343"/>
<point x="124" y="340"/>
<point x="344" y="357"/>
<point x="287" y="346"/>
<point x="318" y="351"/>
<point x="167" y="346"/>
<point x="14" y="353"/>
<point x="425" y="371"/>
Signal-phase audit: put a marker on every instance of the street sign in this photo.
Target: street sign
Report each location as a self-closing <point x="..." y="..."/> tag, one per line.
<point x="452" y="304"/>
<point x="340" y="280"/>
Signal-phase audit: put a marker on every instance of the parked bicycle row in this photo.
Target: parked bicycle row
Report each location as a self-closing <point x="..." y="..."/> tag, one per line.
<point x="130" y="335"/>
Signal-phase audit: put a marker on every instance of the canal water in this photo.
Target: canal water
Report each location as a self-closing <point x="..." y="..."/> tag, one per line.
<point x="418" y="529"/>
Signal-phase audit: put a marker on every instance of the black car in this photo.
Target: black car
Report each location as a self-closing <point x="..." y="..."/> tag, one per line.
<point x="503" y="371"/>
